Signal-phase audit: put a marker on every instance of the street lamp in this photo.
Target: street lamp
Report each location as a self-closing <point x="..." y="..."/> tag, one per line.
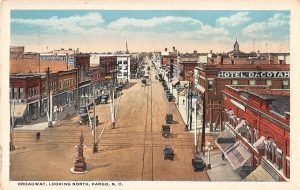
<point x="95" y="147"/>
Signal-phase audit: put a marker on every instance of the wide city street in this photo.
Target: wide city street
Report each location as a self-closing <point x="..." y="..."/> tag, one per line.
<point x="131" y="151"/>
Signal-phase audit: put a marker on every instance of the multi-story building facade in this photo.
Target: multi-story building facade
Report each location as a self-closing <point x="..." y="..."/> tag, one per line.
<point x="238" y="68"/>
<point x="24" y="92"/>
<point x="258" y="120"/>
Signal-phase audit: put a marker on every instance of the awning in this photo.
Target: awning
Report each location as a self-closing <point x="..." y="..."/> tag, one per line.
<point x="19" y="110"/>
<point x="259" y="174"/>
<point x="225" y="140"/>
<point x="175" y="81"/>
<point x="237" y="155"/>
<point x="240" y="125"/>
<point x="259" y="143"/>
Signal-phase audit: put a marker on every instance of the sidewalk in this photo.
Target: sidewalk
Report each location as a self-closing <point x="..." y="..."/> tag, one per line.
<point x="42" y="122"/>
<point x="220" y="170"/>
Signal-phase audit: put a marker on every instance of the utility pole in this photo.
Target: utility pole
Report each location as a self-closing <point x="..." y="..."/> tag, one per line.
<point x="95" y="148"/>
<point x="203" y="124"/>
<point x="190" y="107"/>
<point x="11" y="144"/>
<point x="49" y="102"/>
<point x="113" y="103"/>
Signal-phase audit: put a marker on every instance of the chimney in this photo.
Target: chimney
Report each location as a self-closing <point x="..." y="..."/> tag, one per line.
<point x="211" y="52"/>
<point x="166" y="49"/>
<point x="195" y="52"/>
<point x="174" y="50"/>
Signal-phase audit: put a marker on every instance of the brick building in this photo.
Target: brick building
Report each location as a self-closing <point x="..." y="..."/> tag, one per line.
<point x="36" y="62"/>
<point x="187" y="64"/>
<point x="107" y="64"/>
<point x="82" y="63"/>
<point x="25" y="90"/>
<point x="256" y="138"/>
<point x="238" y="69"/>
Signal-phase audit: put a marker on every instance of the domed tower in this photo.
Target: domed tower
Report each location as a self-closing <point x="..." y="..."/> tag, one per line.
<point x="236" y="47"/>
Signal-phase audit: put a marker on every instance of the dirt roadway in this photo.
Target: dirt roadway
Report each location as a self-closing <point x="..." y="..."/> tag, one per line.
<point x="132" y="151"/>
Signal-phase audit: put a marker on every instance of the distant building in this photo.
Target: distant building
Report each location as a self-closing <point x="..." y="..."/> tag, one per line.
<point x="256" y="138"/>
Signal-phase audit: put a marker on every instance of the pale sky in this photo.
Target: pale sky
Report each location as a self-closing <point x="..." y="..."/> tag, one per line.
<point x="108" y="30"/>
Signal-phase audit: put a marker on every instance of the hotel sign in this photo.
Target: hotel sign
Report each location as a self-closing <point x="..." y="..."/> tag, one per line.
<point x="253" y="74"/>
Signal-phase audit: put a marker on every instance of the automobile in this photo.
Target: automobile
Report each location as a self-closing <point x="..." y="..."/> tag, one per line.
<point x="83" y="118"/>
<point x="98" y="99"/>
<point x="169" y="118"/>
<point x="168" y="152"/>
<point x="104" y="99"/>
<point x="198" y="163"/>
<point x="83" y="109"/>
<point x="165" y="131"/>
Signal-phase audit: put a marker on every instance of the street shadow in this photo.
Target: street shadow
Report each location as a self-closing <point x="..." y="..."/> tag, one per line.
<point x="175" y="122"/>
<point x="114" y="148"/>
<point x="130" y="85"/>
<point x="93" y="166"/>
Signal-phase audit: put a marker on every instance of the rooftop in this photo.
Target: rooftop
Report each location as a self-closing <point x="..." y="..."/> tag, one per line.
<point x="279" y="98"/>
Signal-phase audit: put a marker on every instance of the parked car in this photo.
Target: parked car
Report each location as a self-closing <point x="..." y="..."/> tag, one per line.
<point x="165" y="131"/>
<point x="168" y="152"/>
<point x="198" y="163"/>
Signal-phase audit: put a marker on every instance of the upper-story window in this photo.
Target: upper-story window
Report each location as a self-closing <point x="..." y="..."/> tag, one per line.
<point x="16" y="95"/>
<point x="210" y="85"/>
<point x="285" y="84"/>
<point x="252" y="82"/>
<point x="234" y="82"/>
<point x="269" y="82"/>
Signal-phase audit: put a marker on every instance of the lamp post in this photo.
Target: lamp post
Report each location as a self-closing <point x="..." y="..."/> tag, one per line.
<point x="209" y="148"/>
<point x="95" y="147"/>
<point x="12" y="108"/>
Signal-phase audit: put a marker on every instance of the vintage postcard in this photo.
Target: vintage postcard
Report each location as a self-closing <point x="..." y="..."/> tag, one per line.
<point x="149" y="94"/>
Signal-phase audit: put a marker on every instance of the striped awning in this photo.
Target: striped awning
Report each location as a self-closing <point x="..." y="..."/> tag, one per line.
<point x="240" y="126"/>
<point x="237" y="155"/>
<point x="259" y="143"/>
<point x="19" y="110"/>
<point x="259" y="174"/>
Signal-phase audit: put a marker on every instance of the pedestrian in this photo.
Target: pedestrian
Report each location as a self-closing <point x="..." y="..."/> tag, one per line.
<point x="223" y="156"/>
<point x="38" y="136"/>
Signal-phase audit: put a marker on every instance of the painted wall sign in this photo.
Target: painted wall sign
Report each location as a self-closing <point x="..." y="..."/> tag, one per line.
<point x="253" y="74"/>
<point x="53" y="58"/>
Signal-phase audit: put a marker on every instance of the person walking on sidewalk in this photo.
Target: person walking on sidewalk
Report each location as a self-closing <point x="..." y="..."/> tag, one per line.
<point x="38" y="136"/>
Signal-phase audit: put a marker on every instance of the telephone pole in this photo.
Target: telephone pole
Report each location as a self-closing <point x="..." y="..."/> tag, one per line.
<point x="203" y="124"/>
<point x="49" y="102"/>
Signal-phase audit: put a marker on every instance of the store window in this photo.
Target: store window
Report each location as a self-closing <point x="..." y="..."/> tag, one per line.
<point x="285" y="84"/>
<point x="252" y="82"/>
<point x="210" y="85"/>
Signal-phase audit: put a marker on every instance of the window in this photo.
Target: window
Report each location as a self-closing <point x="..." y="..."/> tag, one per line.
<point x="252" y="82"/>
<point x="29" y="92"/>
<point x="125" y="62"/>
<point x="210" y="85"/>
<point x="269" y="82"/>
<point x="15" y="93"/>
<point x="21" y="93"/>
<point x="234" y="82"/>
<point x="285" y="84"/>
<point x="10" y="93"/>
